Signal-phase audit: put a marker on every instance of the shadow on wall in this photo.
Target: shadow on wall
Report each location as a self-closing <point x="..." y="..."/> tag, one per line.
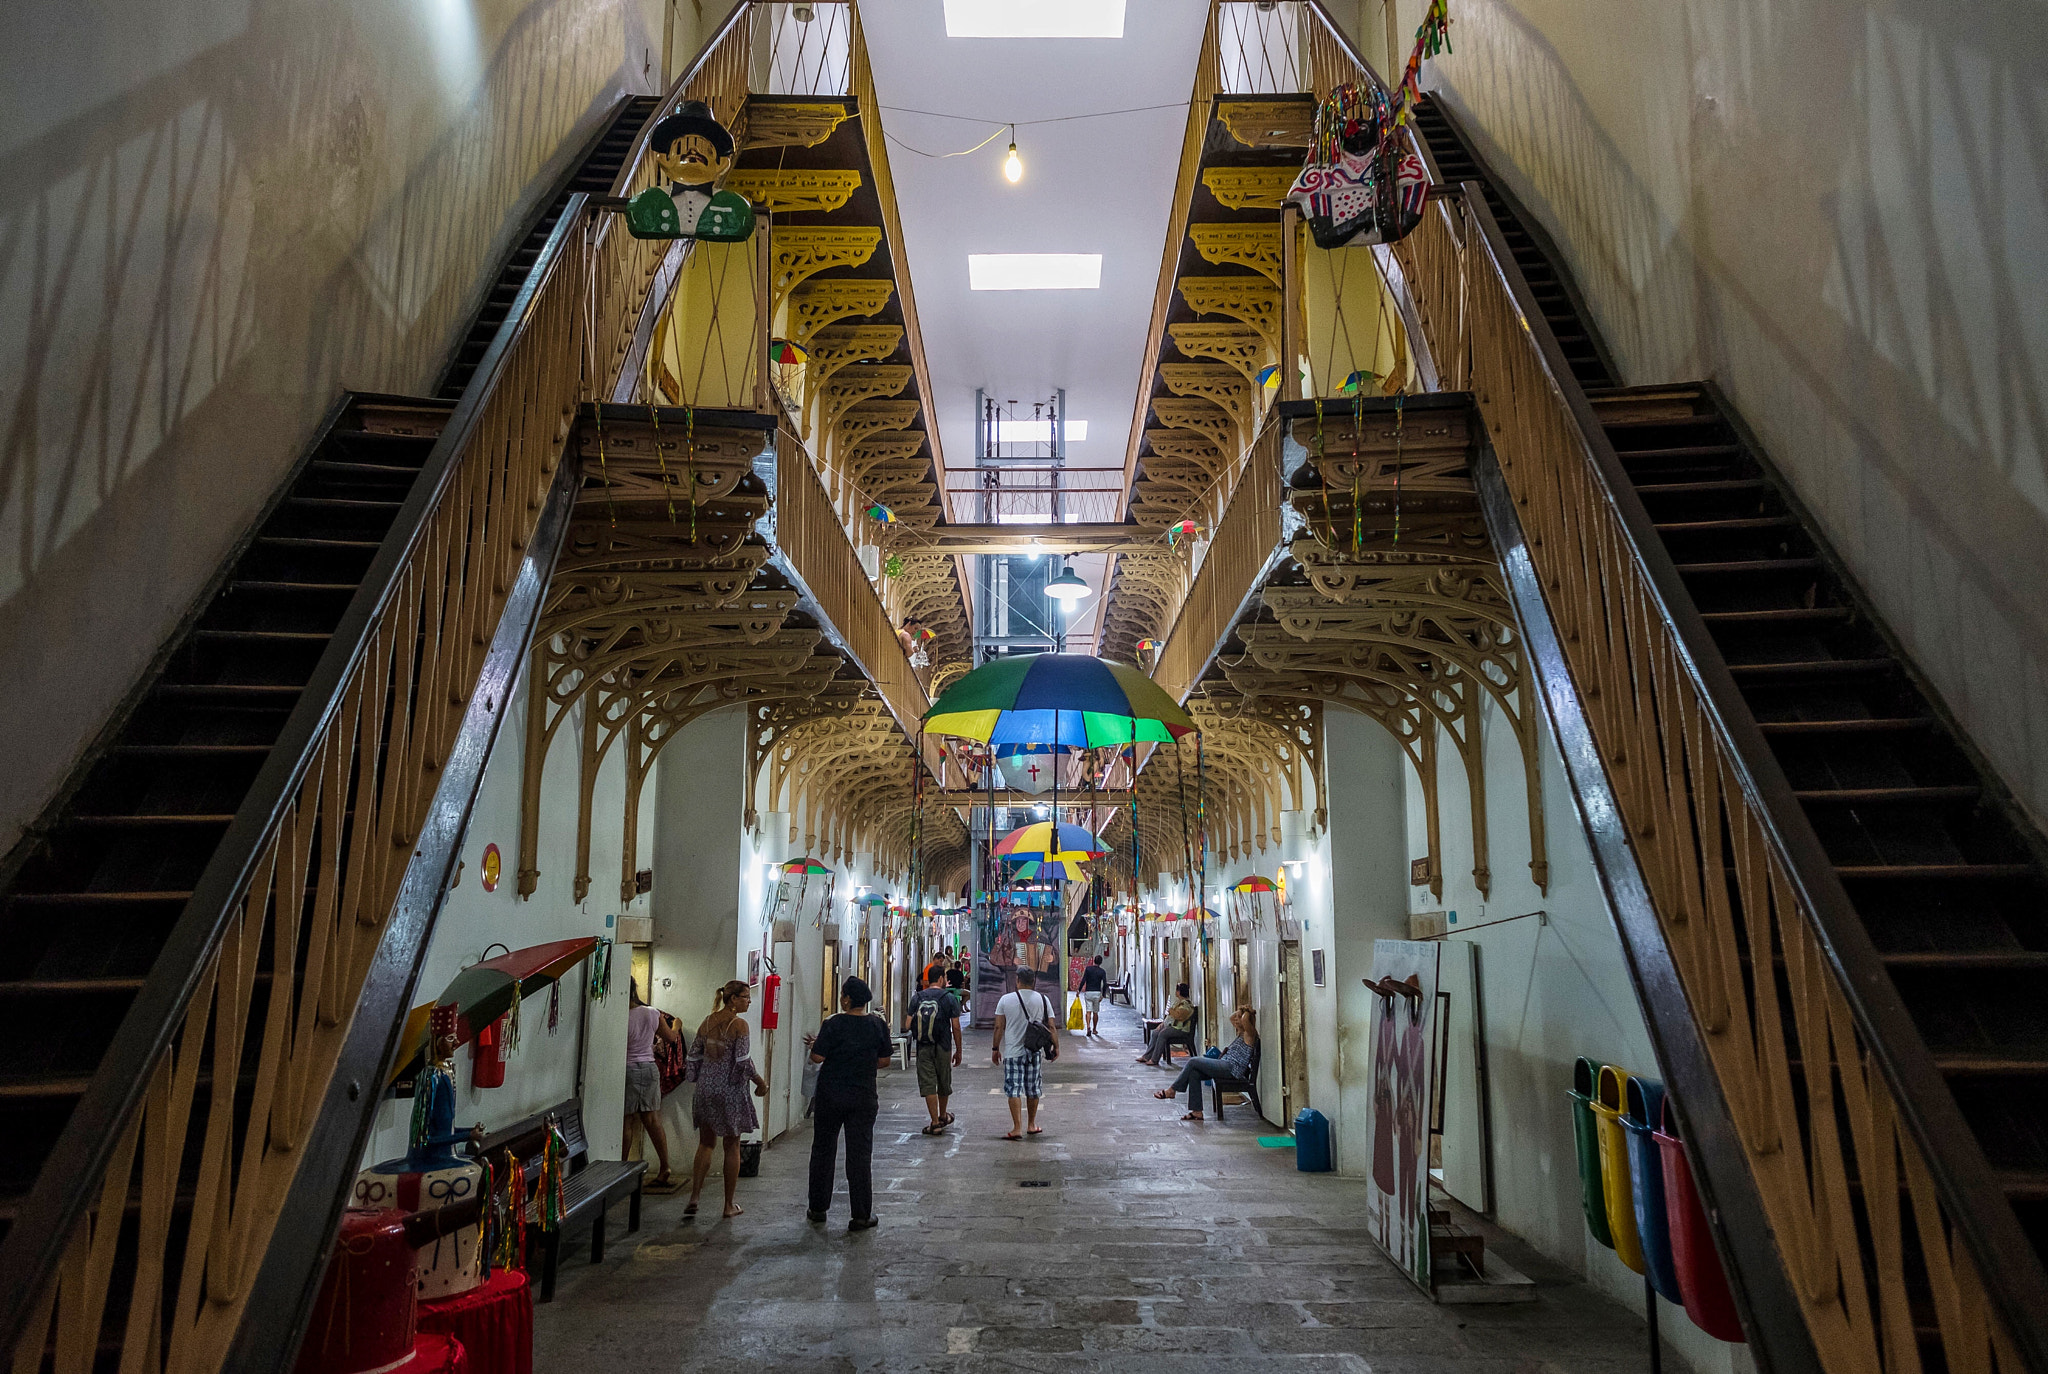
<point x="1836" y="212"/>
<point x="194" y="266"/>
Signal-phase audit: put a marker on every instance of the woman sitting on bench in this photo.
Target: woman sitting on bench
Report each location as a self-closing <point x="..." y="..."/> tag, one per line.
<point x="1179" y="1020"/>
<point x="1233" y="1067"/>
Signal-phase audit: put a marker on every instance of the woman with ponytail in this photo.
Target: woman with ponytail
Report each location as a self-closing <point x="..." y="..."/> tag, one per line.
<point x="721" y="1068"/>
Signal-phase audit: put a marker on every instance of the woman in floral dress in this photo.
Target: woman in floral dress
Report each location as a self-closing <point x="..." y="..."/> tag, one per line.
<point x="721" y="1110"/>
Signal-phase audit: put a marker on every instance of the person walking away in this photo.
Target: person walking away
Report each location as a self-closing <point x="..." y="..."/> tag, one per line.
<point x="1094" y="982"/>
<point x="851" y="1047"/>
<point x="1179" y="1016"/>
<point x="956" y="981"/>
<point x="1234" y="1063"/>
<point x="1016" y="1014"/>
<point x="931" y="1019"/>
<point x="645" y="1025"/>
<point x="721" y="1067"/>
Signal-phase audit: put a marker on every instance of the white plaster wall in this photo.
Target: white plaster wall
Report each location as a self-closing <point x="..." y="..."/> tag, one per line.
<point x="1837" y="210"/>
<point x="544" y="1069"/>
<point x="1553" y="990"/>
<point x="225" y="214"/>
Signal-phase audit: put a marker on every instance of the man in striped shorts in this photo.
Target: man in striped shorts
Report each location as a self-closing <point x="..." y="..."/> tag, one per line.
<point x="1021" y="1078"/>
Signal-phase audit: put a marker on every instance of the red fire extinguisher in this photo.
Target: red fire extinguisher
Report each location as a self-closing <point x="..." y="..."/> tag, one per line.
<point x="486" y="1056"/>
<point x="771" y="1001"/>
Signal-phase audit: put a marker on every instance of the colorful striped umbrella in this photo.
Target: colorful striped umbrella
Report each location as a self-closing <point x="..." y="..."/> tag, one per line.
<point x="785" y="353"/>
<point x="1041" y="839"/>
<point x="1048" y="868"/>
<point x="1067" y="699"/>
<point x="881" y="514"/>
<point x="807" y="866"/>
<point x="1256" y="883"/>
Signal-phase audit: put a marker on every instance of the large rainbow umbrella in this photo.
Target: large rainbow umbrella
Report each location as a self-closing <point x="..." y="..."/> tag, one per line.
<point x="804" y="867"/>
<point x="1048" y="868"/>
<point x="1066" y="699"/>
<point x="1044" y="840"/>
<point x="1256" y="883"/>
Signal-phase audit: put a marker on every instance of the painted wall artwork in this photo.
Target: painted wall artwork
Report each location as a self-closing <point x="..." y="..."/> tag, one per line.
<point x="1397" y="1199"/>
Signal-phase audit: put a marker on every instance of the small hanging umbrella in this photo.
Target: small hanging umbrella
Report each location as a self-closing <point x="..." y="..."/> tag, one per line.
<point x="1182" y="531"/>
<point x="785" y="353"/>
<point x="881" y="514"/>
<point x="485" y="991"/>
<point x="808" y="867"/>
<point x="1068" y="699"/>
<point x="1041" y="840"/>
<point x="1256" y="883"/>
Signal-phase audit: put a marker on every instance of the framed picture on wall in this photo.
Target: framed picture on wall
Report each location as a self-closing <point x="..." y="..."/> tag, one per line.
<point x="754" y="966"/>
<point x="1316" y="966"/>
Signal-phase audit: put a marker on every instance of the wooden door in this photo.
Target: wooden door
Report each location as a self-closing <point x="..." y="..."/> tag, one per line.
<point x="1293" y="1034"/>
<point x="1240" y="973"/>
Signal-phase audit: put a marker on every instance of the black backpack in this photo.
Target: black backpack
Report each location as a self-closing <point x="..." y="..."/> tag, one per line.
<point x="924" y="1020"/>
<point x="1038" y="1038"/>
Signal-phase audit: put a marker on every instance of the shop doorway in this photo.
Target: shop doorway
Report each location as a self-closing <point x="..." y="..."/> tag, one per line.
<point x="1293" y="1034"/>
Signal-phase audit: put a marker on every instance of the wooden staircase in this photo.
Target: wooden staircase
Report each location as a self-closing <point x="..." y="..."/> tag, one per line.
<point x="94" y="901"/>
<point x="1945" y="874"/>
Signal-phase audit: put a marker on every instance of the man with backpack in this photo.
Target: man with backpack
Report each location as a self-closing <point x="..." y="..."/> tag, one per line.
<point x="1024" y="1032"/>
<point x="931" y="1021"/>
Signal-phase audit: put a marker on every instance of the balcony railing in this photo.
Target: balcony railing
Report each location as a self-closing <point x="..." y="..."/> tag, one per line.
<point x="1245" y="545"/>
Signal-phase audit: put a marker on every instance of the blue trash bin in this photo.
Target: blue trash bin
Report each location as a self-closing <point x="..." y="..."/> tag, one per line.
<point x="1312" y="1142"/>
<point x="1646" y="1174"/>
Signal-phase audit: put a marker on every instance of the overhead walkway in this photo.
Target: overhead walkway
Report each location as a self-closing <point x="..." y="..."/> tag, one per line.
<point x="1830" y="904"/>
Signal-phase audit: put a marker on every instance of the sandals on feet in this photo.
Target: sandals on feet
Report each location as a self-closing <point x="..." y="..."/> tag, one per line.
<point x="1164" y="1095"/>
<point x="1013" y="1136"/>
<point x="1191" y="1116"/>
<point x="935" y="1128"/>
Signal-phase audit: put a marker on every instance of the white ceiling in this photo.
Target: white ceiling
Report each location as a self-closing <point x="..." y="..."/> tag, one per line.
<point x="1090" y="185"/>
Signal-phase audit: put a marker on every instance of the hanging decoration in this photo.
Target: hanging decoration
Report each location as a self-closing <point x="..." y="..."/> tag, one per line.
<point x="601" y="969"/>
<point x="802" y="893"/>
<point x="691" y="151"/>
<point x="492" y="988"/>
<point x="881" y="514"/>
<point x="892" y="566"/>
<point x="554" y="1179"/>
<point x="787" y="353"/>
<point x="1182" y="532"/>
<point x="1269" y="382"/>
<point x="1360" y="184"/>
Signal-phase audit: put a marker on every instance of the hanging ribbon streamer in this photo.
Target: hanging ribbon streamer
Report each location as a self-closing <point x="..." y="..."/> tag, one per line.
<point x="512" y="1231"/>
<point x="554" y="1005"/>
<point x="601" y="969"/>
<point x="512" y="1018"/>
<point x="487" y="1218"/>
<point x="554" y="1163"/>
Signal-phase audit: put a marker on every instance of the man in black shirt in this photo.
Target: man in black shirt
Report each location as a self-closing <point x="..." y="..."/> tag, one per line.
<point x="1094" y="982"/>
<point x="851" y="1048"/>
<point x="931" y="1019"/>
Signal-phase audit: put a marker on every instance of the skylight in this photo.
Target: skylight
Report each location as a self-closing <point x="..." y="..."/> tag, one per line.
<point x="1034" y="18"/>
<point x="1034" y="271"/>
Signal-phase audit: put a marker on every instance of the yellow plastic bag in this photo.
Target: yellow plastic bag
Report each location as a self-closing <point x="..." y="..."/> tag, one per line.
<point x="1074" y="1014"/>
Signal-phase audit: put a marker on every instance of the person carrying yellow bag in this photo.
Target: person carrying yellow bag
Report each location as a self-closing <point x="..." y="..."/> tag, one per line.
<point x="1074" y="1014"/>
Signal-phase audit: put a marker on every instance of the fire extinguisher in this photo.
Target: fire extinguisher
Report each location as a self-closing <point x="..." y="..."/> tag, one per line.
<point x="771" y="1001"/>
<point x="486" y="1056"/>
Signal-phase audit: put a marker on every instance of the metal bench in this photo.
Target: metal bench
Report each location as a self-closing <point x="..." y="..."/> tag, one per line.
<point x="587" y="1192"/>
<point x="1248" y="1085"/>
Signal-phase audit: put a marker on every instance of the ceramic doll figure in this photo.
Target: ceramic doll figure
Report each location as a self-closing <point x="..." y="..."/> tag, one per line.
<point x="432" y="1176"/>
<point x="691" y="151"/>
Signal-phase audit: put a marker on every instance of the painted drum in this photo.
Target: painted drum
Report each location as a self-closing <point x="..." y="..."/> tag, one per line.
<point x="1586" y="1135"/>
<point x="1608" y="1103"/>
<point x="1701" y="1280"/>
<point x="1646" y="1181"/>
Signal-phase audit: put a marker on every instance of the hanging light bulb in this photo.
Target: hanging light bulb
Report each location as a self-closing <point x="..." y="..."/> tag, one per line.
<point x="1013" y="166"/>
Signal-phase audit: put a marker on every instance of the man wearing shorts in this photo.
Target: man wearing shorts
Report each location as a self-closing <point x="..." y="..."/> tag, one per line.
<point x="932" y="1023"/>
<point x="1094" y="982"/>
<point x="1021" y="1077"/>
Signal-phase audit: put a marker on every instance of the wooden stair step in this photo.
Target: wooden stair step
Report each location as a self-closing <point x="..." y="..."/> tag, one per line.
<point x="1746" y="565"/>
<point x="1731" y="525"/>
<point x="1969" y="960"/>
<point x="264" y="636"/>
<point x="1888" y="796"/>
<point x="1857" y="725"/>
<point x="62" y="899"/>
<point x="1963" y="873"/>
<point x="1815" y="668"/>
<point x="1716" y="487"/>
<point x="1780" y="615"/>
<point x="138" y="820"/>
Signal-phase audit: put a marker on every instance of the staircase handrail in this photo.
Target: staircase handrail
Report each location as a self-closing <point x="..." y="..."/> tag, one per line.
<point x="1684" y="755"/>
<point x="381" y="754"/>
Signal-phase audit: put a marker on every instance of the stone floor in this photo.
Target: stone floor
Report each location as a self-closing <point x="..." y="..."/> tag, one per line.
<point x="1158" y="1246"/>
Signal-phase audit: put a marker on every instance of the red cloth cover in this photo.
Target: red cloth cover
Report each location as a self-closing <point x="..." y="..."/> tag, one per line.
<point x="494" y="1323"/>
<point x="365" y="1316"/>
<point x="439" y="1355"/>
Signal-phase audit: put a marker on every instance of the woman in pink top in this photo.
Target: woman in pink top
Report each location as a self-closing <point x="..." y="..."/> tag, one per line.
<point x="643" y="1081"/>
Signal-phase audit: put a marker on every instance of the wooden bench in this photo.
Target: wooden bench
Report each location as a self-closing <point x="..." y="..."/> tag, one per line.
<point x="1184" y="1036"/>
<point x="587" y="1192"/>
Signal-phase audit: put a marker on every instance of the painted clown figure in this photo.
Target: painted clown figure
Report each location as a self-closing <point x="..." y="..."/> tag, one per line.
<point x="691" y="150"/>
